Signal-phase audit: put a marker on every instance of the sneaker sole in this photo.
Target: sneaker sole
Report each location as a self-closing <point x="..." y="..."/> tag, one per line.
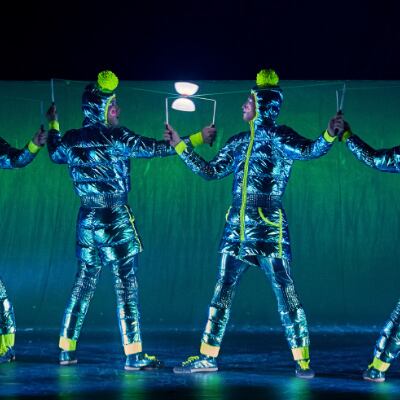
<point x="128" y="368"/>
<point x="377" y="380"/>
<point x="195" y="370"/>
<point x="68" y="362"/>
<point x="305" y="377"/>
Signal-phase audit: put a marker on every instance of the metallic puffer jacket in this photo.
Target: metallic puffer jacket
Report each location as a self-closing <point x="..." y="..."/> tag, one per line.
<point x="14" y="158"/>
<point x="387" y="160"/>
<point x="98" y="157"/>
<point x="261" y="160"/>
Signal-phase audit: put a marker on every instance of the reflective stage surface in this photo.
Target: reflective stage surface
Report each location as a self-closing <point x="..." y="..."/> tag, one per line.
<point x="253" y="365"/>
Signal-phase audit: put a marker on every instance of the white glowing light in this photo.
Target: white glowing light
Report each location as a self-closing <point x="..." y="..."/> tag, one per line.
<point x="186" y="88"/>
<point x="183" y="104"/>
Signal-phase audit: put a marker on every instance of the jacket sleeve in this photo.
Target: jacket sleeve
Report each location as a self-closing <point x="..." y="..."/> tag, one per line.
<point x="16" y="158"/>
<point x="387" y="160"/>
<point x="137" y="146"/>
<point x="219" y="167"/>
<point x="297" y="147"/>
<point x="56" y="144"/>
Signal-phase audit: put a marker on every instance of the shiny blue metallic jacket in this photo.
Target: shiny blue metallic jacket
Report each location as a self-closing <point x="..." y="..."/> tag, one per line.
<point x="261" y="160"/>
<point x="14" y="158"/>
<point x="387" y="160"/>
<point x="98" y="157"/>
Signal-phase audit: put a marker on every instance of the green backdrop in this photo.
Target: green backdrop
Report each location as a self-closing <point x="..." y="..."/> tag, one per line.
<point x="343" y="216"/>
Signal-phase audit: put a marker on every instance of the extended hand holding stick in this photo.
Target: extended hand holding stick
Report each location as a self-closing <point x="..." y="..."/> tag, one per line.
<point x="339" y="108"/>
<point x="42" y="119"/>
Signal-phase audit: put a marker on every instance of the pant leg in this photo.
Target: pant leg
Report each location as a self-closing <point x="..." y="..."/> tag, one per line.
<point x="7" y="321"/>
<point x="119" y="248"/>
<point x="387" y="347"/>
<point x="78" y="303"/>
<point x="290" y="310"/>
<point x="86" y="278"/>
<point x="229" y="273"/>
<point x="126" y="289"/>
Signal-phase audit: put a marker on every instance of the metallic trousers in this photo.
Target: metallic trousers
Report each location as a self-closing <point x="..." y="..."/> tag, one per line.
<point x="290" y="310"/>
<point x="106" y="236"/>
<point x="387" y="347"/>
<point x="7" y="319"/>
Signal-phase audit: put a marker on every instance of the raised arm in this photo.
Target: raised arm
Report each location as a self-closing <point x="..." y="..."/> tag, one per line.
<point x="219" y="167"/>
<point x="55" y="144"/>
<point x="387" y="160"/>
<point x="18" y="158"/>
<point x="138" y="146"/>
<point x="297" y="147"/>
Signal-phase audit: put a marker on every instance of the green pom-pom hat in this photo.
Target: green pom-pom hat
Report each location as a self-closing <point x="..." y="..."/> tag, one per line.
<point x="267" y="95"/>
<point x="267" y="77"/>
<point x="107" y="81"/>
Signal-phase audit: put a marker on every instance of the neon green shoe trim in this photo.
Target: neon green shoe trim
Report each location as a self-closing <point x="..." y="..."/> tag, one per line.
<point x="6" y="341"/>
<point x="190" y="360"/>
<point x="304" y="364"/>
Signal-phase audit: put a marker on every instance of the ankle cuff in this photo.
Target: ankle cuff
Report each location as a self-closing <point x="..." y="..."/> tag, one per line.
<point x="208" y="350"/>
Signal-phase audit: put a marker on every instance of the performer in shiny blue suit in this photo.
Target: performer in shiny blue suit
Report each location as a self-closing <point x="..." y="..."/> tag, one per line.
<point x="387" y="347"/>
<point x="256" y="230"/>
<point x="98" y="156"/>
<point x="11" y="158"/>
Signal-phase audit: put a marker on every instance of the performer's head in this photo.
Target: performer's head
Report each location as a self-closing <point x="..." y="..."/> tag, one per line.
<point x="264" y="102"/>
<point x="99" y="104"/>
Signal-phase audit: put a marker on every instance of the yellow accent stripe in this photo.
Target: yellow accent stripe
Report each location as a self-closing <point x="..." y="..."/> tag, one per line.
<point x="180" y="147"/>
<point x="328" y="137"/>
<point x="132" y="348"/>
<point x="132" y="221"/>
<point x="54" y="125"/>
<point x="379" y="365"/>
<point x="244" y="183"/>
<point x="33" y="148"/>
<point x="67" y="344"/>
<point x="227" y="214"/>
<point x="196" y="139"/>
<point x="346" y="135"/>
<point x="278" y="225"/>
<point x="301" y="353"/>
<point x="106" y="108"/>
<point x="280" y="233"/>
<point x="208" y="350"/>
<point x="264" y="218"/>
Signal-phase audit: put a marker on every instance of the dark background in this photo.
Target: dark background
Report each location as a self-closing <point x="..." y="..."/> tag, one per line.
<point x="200" y="40"/>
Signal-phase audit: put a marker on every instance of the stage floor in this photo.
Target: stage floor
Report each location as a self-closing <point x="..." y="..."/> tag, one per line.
<point x="253" y="365"/>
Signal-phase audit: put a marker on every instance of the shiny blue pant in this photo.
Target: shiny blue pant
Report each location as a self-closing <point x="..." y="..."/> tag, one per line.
<point x="7" y="319"/>
<point x="105" y="236"/>
<point x="290" y="310"/>
<point x="387" y="347"/>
